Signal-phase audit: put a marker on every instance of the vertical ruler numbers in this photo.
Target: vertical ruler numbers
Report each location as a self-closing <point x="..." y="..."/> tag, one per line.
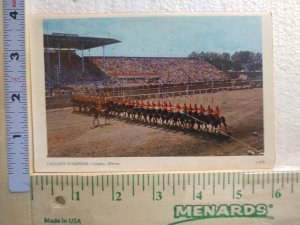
<point x="15" y="95"/>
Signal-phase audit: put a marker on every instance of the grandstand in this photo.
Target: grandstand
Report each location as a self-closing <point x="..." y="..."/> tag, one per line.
<point x="63" y="65"/>
<point x="170" y="70"/>
<point x="71" y="69"/>
<point x="67" y="72"/>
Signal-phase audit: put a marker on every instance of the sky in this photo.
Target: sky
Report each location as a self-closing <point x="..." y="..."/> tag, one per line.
<point x="165" y="36"/>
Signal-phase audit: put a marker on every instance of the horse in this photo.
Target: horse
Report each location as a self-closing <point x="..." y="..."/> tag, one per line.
<point x="155" y="116"/>
<point x="216" y="122"/>
<point x="107" y="109"/>
<point x="96" y="114"/>
<point x="183" y="119"/>
<point x="164" y="116"/>
<point x="201" y="120"/>
<point x="176" y="118"/>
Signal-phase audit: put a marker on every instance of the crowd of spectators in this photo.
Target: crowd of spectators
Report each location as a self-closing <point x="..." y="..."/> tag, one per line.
<point x="70" y="68"/>
<point x="171" y="70"/>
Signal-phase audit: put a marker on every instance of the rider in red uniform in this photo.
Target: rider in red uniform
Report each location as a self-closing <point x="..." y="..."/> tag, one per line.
<point x="185" y="107"/>
<point x="170" y="106"/>
<point x="165" y="106"/>
<point x="158" y="104"/>
<point x="142" y="104"/>
<point x="153" y="104"/>
<point x="209" y="110"/>
<point x="137" y="103"/>
<point x="202" y="110"/>
<point x="195" y="108"/>
<point x="217" y="112"/>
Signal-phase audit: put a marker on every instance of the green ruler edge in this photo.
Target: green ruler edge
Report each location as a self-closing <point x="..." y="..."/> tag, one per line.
<point x="157" y="186"/>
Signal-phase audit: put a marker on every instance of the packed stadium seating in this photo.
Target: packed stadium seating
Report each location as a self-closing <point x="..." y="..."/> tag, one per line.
<point x="100" y="72"/>
<point x="71" y="69"/>
<point x="171" y="70"/>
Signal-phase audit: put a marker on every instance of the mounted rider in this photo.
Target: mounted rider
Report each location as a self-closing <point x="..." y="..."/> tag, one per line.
<point x="99" y="106"/>
<point x="209" y="110"/>
<point x="142" y="104"/>
<point x="170" y="106"/>
<point x="165" y="106"/>
<point x="217" y="112"/>
<point x="185" y="108"/>
<point x="190" y="108"/>
<point x="196" y="108"/>
<point x="202" y="110"/>
<point x="153" y="105"/>
<point x="158" y="105"/>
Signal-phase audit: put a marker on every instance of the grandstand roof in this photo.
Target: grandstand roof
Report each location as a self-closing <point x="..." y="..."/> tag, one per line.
<point x="75" y="42"/>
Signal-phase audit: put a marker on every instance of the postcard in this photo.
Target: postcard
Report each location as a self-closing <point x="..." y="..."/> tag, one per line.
<point x="159" y="92"/>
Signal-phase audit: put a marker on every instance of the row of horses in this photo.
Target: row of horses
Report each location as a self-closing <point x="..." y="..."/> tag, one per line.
<point x="175" y="118"/>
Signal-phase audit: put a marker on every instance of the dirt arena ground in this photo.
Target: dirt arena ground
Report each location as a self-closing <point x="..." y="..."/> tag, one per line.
<point x="72" y="135"/>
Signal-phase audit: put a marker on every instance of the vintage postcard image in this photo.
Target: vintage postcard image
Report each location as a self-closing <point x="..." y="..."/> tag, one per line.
<point x="151" y="93"/>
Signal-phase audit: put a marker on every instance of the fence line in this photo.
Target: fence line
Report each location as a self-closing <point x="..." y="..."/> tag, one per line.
<point x="164" y="94"/>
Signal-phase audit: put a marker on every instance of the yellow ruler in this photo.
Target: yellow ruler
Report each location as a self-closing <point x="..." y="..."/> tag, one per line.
<point x="167" y="198"/>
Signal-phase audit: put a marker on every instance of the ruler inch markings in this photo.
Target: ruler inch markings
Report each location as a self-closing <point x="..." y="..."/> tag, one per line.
<point x="133" y="184"/>
<point x="102" y="182"/>
<point x="15" y="94"/>
<point x="143" y="182"/>
<point x="192" y="195"/>
<point x="93" y="189"/>
<point x="72" y="189"/>
<point x="282" y="179"/>
<point x="233" y="186"/>
<point x="194" y="186"/>
<point x="253" y="183"/>
<point x="112" y="188"/>
<point x="173" y="182"/>
<point x="292" y="182"/>
<point x="163" y="181"/>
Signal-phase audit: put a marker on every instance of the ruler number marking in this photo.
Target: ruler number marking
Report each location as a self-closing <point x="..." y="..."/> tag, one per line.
<point x="158" y="196"/>
<point x="118" y="196"/>
<point x="278" y="194"/>
<point x="13" y="14"/>
<point x="238" y="194"/>
<point x="16" y="136"/>
<point x="14" y="56"/>
<point x="15" y="97"/>
<point x="199" y="195"/>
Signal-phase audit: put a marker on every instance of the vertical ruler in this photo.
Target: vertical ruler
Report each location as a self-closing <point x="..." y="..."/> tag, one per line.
<point x="243" y="198"/>
<point x="16" y="95"/>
